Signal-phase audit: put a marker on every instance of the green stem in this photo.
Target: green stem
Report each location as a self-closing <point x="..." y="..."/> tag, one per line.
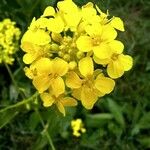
<point x="45" y="129"/>
<point x="19" y="103"/>
<point x="13" y="80"/>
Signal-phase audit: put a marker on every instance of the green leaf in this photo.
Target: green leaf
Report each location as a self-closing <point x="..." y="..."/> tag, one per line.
<point x="97" y="120"/>
<point x="144" y="122"/>
<point x="136" y="113"/>
<point x="7" y="116"/>
<point x="13" y="93"/>
<point x="40" y="143"/>
<point x="115" y="109"/>
<point x="33" y="121"/>
<point x="145" y="141"/>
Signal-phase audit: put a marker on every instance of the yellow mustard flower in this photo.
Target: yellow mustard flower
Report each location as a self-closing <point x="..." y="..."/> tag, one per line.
<point x="60" y="101"/>
<point x="9" y="40"/>
<point x="117" y="23"/>
<point x="77" y="127"/>
<point x="70" y="13"/>
<point x="88" y="89"/>
<point x="49" y="73"/>
<point x="63" y="47"/>
<point x="118" y="63"/>
<point x="35" y="43"/>
<point x="97" y="40"/>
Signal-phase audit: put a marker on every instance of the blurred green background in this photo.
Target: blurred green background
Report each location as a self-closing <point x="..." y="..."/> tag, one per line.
<point x="119" y="121"/>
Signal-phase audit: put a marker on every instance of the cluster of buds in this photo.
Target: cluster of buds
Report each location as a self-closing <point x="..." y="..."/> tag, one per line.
<point x="9" y="40"/>
<point x="77" y="127"/>
<point x="73" y="54"/>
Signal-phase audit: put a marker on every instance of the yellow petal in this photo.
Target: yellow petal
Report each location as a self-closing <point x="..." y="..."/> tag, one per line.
<point x="56" y="37"/>
<point x="60" y="67"/>
<point x="49" y="11"/>
<point x="39" y="37"/>
<point x="67" y="6"/>
<point x="117" y="23"/>
<point x="77" y="93"/>
<point x="116" y="46"/>
<point x="41" y="83"/>
<point x="28" y="72"/>
<point x="101" y="61"/>
<point x="104" y="84"/>
<point x="126" y="61"/>
<point x="88" y="97"/>
<point x="27" y="47"/>
<point x="115" y="69"/>
<point x="43" y="66"/>
<point x="86" y="66"/>
<point x="108" y="33"/>
<point x="94" y="29"/>
<point x="58" y="86"/>
<point x="102" y="51"/>
<point x="61" y="107"/>
<point x="72" y="20"/>
<point x="73" y="80"/>
<point x="84" y="43"/>
<point x="40" y="23"/>
<point x="68" y="101"/>
<point x="88" y="11"/>
<point x="47" y="99"/>
<point x="29" y="58"/>
<point x="56" y="24"/>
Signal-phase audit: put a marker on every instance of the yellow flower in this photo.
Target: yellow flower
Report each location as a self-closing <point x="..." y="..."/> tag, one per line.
<point x="49" y="11"/>
<point x="9" y="40"/>
<point x="35" y="44"/>
<point x="70" y="14"/>
<point x="77" y="127"/>
<point x="33" y="51"/>
<point x="38" y="37"/>
<point x="118" y="63"/>
<point x="88" y="89"/>
<point x="60" y="101"/>
<point x="49" y="74"/>
<point x="64" y="46"/>
<point x="117" y="23"/>
<point x="89" y="14"/>
<point x="97" y="40"/>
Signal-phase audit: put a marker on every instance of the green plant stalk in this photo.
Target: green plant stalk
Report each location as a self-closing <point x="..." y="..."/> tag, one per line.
<point x="45" y="129"/>
<point x="19" y="103"/>
<point x="13" y="80"/>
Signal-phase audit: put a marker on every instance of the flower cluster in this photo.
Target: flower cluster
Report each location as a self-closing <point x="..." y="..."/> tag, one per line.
<point x="9" y="37"/>
<point x="77" y="127"/>
<point x="73" y="54"/>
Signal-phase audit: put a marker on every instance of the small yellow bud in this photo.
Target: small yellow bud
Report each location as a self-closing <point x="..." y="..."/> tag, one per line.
<point x="77" y="127"/>
<point x="66" y="57"/>
<point x="60" y="54"/>
<point x="80" y="55"/>
<point x="72" y="65"/>
<point x="54" y="47"/>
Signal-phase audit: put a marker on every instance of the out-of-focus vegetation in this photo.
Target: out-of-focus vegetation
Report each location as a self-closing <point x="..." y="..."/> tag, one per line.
<point x="118" y="121"/>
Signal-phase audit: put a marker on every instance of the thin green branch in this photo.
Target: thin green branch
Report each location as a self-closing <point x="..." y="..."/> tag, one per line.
<point x="13" y="80"/>
<point x="19" y="103"/>
<point x="45" y="129"/>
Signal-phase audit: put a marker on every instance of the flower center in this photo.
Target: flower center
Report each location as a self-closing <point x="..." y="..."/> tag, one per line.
<point x="114" y="57"/>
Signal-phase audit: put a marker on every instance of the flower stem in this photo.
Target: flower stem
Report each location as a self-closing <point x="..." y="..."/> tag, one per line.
<point x="13" y="80"/>
<point x="45" y="129"/>
<point x="19" y="103"/>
